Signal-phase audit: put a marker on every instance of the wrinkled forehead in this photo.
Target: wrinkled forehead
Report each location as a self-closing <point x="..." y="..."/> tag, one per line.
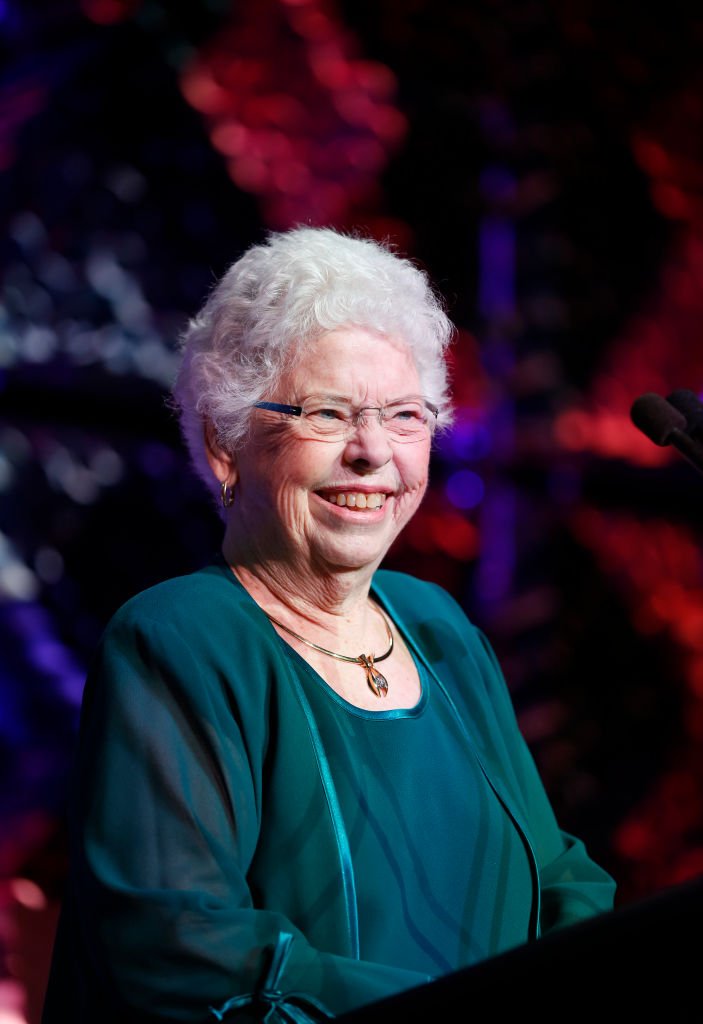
<point x="355" y="365"/>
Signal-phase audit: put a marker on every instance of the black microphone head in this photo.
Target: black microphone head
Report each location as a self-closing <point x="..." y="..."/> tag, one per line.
<point x="688" y="403"/>
<point x="653" y="415"/>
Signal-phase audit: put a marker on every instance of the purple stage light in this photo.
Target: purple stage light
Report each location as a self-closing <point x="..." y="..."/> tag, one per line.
<point x="465" y="489"/>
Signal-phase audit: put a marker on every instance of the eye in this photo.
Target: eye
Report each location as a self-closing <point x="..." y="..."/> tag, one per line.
<point x="326" y="417"/>
<point x="406" y="413"/>
<point x="328" y="414"/>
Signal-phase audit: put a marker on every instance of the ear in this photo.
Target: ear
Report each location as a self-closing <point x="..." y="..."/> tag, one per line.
<point x="222" y="464"/>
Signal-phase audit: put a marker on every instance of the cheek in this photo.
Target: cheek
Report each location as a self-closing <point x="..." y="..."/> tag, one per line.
<point x="413" y="469"/>
<point x="275" y="460"/>
<point x="286" y="469"/>
<point x="413" y="466"/>
<point x="302" y="467"/>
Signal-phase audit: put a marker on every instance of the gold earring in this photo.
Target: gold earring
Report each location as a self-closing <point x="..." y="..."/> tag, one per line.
<point x="226" y="495"/>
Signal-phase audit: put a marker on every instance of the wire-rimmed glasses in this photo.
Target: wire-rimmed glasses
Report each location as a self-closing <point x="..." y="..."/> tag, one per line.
<point x="332" y="419"/>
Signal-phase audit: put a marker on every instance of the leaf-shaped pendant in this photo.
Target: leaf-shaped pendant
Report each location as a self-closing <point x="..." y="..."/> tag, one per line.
<point x="378" y="683"/>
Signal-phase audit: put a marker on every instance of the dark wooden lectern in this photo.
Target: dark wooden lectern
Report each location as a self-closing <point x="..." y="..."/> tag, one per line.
<point x="639" y="963"/>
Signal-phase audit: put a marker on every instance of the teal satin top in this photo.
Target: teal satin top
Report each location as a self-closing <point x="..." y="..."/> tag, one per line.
<point x="430" y="843"/>
<point x="243" y="843"/>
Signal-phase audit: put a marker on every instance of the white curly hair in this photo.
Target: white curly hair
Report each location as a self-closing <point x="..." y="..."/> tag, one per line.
<point x="278" y="296"/>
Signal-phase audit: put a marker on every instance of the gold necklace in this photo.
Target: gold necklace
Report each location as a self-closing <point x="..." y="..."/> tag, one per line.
<point x="378" y="683"/>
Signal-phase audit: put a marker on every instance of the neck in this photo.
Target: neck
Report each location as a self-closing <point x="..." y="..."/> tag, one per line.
<point x="333" y="599"/>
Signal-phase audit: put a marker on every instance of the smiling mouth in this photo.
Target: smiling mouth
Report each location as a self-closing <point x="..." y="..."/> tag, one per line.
<point x="355" y="499"/>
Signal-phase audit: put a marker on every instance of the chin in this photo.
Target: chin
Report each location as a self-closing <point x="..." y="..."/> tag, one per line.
<point x="352" y="556"/>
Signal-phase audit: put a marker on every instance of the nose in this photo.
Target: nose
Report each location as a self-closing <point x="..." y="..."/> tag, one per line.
<point x="368" y="447"/>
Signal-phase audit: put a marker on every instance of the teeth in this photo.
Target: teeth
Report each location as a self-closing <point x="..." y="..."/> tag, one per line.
<point x="356" y="499"/>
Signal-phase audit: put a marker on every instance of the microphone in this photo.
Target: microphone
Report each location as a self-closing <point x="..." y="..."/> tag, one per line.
<point x="664" y="424"/>
<point x="688" y="403"/>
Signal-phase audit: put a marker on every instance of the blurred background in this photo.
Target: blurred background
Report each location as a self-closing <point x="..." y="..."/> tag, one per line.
<point x="543" y="161"/>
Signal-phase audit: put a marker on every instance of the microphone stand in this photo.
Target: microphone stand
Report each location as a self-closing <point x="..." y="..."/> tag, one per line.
<point x="663" y="423"/>
<point x="687" y="447"/>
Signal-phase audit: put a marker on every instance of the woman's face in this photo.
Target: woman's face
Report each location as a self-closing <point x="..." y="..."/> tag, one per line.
<point x="288" y="487"/>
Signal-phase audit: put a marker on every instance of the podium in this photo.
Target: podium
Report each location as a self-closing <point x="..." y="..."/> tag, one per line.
<point x="638" y="963"/>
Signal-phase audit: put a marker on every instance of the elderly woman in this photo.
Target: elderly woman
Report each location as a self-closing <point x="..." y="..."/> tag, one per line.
<point x="301" y="783"/>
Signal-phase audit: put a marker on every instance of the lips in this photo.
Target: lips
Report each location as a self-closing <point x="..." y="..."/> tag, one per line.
<point x="355" y="499"/>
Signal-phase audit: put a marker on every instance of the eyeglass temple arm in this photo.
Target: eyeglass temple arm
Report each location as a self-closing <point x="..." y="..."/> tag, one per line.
<point x="289" y="410"/>
<point x="297" y="410"/>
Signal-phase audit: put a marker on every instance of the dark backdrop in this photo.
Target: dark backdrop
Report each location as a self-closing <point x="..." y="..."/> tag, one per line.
<point x="543" y="161"/>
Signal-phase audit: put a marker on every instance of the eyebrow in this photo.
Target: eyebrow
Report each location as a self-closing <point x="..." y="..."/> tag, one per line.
<point x="341" y="399"/>
<point x="345" y="400"/>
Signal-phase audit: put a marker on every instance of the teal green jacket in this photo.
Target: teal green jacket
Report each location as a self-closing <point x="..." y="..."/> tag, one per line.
<point x="206" y="822"/>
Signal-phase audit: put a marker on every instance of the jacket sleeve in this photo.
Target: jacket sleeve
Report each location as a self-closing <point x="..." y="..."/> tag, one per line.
<point x="573" y="887"/>
<point x="163" y="925"/>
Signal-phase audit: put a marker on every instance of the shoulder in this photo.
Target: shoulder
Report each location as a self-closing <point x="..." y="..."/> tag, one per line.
<point x="420" y="598"/>
<point x="393" y="582"/>
<point x="183" y="599"/>
<point x="436" y="620"/>
<point x="198" y="639"/>
<point x="204" y="611"/>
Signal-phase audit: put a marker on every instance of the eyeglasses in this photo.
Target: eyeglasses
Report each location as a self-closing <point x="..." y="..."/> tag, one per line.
<point x="331" y="420"/>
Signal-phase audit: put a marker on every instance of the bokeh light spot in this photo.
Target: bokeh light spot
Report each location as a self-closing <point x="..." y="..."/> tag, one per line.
<point x="465" y="489"/>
